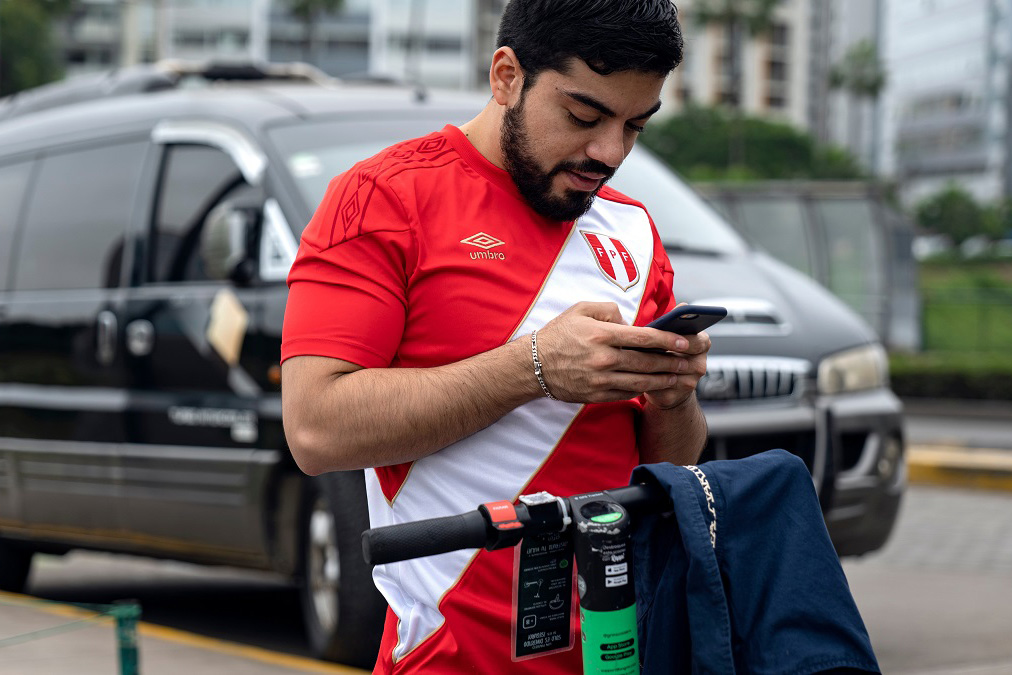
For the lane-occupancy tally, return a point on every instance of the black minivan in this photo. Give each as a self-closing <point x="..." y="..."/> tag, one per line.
<point x="148" y="218"/>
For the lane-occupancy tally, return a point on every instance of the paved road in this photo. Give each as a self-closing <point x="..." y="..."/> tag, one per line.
<point x="938" y="597"/>
<point x="974" y="424"/>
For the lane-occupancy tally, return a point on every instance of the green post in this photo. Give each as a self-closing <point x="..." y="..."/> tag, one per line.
<point x="127" y="613"/>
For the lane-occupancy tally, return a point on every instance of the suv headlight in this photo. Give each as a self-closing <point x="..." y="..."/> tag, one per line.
<point x="854" y="370"/>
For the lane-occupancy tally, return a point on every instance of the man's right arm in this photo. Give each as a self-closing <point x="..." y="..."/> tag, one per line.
<point x="339" y="416"/>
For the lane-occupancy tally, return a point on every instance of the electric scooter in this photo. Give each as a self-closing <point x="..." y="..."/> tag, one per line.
<point x="597" y="525"/>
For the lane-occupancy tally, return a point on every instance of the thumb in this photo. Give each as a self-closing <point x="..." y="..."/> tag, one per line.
<point x="602" y="311"/>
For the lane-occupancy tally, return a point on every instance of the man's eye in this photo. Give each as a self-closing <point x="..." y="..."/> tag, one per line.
<point x="635" y="127"/>
<point x="580" y="122"/>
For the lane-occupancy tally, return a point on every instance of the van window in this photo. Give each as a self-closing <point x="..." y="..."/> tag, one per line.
<point x="77" y="218"/>
<point x="195" y="179"/>
<point x="778" y="225"/>
<point x="13" y="181"/>
<point x="856" y="258"/>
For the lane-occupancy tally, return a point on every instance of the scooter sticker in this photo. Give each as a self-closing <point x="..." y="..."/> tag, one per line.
<point x="544" y="617"/>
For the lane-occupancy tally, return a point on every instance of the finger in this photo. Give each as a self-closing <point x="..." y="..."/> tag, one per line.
<point x="602" y="311"/>
<point x="641" y="337"/>
<point x="696" y="345"/>
<point x="643" y="362"/>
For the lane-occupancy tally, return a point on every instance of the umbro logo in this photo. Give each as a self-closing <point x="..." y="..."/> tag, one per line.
<point x="482" y="240"/>
<point x="486" y="242"/>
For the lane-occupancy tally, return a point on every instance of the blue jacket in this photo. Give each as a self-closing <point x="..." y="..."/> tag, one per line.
<point x="747" y="582"/>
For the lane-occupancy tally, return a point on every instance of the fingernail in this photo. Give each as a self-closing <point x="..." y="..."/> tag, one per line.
<point x="673" y="380"/>
<point x="682" y="365"/>
<point x="682" y="344"/>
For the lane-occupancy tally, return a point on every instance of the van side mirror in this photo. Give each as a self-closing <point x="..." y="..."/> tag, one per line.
<point x="224" y="240"/>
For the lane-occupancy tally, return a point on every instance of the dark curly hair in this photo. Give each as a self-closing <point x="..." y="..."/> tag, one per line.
<point x="608" y="35"/>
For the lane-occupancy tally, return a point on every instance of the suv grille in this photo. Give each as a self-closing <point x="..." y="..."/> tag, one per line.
<point x="746" y="378"/>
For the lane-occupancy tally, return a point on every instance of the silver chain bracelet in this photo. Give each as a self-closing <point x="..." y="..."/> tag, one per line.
<point x="537" y="366"/>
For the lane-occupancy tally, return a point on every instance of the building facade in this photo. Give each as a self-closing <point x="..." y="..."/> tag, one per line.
<point x="837" y="116"/>
<point x="774" y="65"/>
<point x="101" y="34"/>
<point x="439" y="43"/>
<point x="947" y="109"/>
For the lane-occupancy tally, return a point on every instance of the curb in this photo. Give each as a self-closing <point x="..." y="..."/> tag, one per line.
<point x="959" y="466"/>
<point x="186" y="639"/>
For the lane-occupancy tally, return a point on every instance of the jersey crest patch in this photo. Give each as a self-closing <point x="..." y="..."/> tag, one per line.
<point x="613" y="259"/>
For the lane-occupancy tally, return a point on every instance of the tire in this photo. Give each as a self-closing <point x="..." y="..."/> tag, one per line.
<point x="342" y="610"/>
<point x="15" y="564"/>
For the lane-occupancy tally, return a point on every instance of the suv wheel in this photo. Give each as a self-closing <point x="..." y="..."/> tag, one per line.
<point x="15" y="563"/>
<point x="343" y="611"/>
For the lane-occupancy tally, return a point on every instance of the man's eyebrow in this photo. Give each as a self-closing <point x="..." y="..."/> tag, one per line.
<point x="605" y="110"/>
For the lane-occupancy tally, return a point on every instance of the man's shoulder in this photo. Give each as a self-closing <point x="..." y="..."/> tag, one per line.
<point x="432" y="151"/>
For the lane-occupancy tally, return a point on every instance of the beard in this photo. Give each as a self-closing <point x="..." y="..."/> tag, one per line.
<point x="533" y="182"/>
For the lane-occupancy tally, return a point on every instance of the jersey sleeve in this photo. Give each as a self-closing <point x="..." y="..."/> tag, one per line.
<point x="347" y="287"/>
<point x="659" y="297"/>
<point x="664" y="294"/>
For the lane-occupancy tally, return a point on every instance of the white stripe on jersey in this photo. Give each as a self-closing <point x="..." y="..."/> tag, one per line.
<point x="499" y="461"/>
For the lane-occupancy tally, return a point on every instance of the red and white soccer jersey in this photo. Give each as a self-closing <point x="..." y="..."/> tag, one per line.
<point x="424" y="255"/>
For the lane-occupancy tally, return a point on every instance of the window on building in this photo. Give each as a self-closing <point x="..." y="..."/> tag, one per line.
<point x="78" y="217"/>
<point x="780" y="35"/>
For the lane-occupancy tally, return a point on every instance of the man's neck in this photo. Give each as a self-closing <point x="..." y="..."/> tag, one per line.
<point x="484" y="131"/>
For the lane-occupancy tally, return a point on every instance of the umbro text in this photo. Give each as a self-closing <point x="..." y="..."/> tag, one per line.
<point x="487" y="255"/>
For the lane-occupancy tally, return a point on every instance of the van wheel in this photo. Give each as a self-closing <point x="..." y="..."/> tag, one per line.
<point x="15" y="564"/>
<point x="342" y="609"/>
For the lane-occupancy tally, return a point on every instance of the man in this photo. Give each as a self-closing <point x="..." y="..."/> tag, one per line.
<point x="458" y="312"/>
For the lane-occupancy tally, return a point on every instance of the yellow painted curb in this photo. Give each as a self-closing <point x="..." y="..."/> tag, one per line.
<point x="188" y="639"/>
<point x="958" y="466"/>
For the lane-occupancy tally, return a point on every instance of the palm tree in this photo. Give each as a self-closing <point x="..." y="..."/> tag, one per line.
<point x="737" y="18"/>
<point x="862" y="75"/>
<point x="309" y="12"/>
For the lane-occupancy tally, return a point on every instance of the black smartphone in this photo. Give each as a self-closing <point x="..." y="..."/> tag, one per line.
<point x="685" y="320"/>
<point x="689" y="319"/>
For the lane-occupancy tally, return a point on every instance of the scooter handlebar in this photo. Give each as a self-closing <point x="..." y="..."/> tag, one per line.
<point x="433" y="536"/>
<point x="424" y="538"/>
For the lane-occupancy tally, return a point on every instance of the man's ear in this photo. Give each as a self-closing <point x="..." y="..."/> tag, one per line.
<point x="506" y="77"/>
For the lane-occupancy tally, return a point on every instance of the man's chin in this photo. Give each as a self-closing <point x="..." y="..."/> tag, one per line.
<point x="568" y="207"/>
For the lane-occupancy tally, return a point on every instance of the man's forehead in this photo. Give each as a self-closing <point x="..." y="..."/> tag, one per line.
<point x="621" y="92"/>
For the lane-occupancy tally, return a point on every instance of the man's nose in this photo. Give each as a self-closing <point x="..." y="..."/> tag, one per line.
<point x="608" y="147"/>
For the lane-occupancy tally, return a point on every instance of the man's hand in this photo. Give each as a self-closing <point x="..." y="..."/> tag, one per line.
<point x="583" y="360"/>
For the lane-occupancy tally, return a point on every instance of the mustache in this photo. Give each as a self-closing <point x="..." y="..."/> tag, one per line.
<point x="586" y="166"/>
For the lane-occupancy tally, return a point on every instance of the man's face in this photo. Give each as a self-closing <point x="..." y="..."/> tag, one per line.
<point x="568" y="133"/>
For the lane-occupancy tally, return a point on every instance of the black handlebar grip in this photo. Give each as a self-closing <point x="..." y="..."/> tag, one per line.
<point x="421" y="538"/>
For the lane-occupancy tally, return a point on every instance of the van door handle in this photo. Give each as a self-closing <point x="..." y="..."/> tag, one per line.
<point x="140" y="337"/>
<point x="105" y="347"/>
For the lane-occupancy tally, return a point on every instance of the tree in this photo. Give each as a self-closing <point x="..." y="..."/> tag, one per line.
<point x="309" y="12"/>
<point x="27" y="53"/>
<point x="695" y="143"/>
<point x="861" y="74"/>
<point x="737" y="18"/>
<point x="953" y="212"/>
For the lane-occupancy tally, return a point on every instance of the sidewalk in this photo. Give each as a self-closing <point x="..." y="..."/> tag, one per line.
<point x="93" y="649"/>
<point x="959" y="443"/>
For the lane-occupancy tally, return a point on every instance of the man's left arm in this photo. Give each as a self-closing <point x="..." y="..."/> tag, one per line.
<point x="671" y="427"/>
